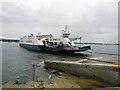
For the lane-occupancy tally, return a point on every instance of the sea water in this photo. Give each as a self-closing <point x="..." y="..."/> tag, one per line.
<point x="16" y="61"/>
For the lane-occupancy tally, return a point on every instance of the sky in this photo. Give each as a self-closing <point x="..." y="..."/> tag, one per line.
<point x="93" y="20"/>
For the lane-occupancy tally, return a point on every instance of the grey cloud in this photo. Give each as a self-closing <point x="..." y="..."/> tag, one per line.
<point x="93" y="22"/>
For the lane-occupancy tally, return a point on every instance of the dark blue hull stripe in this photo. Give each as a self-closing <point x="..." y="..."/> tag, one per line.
<point x="33" y="47"/>
<point x="44" y="48"/>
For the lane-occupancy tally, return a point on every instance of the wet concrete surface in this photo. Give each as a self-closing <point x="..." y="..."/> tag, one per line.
<point x="51" y="78"/>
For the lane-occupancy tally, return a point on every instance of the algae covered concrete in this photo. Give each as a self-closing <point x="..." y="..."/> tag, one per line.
<point x="52" y="78"/>
<point x="29" y="84"/>
<point x="99" y="71"/>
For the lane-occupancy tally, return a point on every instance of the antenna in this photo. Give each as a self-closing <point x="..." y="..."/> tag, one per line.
<point x="66" y="27"/>
<point x="39" y="33"/>
<point x="80" y="40"/>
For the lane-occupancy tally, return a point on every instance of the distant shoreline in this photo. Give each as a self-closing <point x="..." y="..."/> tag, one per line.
<point x="9" y="40"/>
<point x="16" y="40"/>
<point x="97" y="43"/>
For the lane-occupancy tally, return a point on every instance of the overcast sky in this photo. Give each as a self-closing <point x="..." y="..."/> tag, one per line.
<point x="94" y="20"/>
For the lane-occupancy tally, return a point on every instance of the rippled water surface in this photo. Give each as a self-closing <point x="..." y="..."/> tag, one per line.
<point x="16" y="61"/>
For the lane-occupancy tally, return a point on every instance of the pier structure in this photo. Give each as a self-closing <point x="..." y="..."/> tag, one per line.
<point x="105" y="72"/>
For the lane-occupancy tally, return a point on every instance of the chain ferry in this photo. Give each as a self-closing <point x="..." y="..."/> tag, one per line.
<point x="48" y="43"/>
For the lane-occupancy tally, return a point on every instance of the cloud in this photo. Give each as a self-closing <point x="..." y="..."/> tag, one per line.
<point x="92" y="19"/>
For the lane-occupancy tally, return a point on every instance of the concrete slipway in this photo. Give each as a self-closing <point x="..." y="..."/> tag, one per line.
<point x="100" y="71"/>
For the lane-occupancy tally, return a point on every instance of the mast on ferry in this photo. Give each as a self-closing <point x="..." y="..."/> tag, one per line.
<point x="65" y="33"/>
